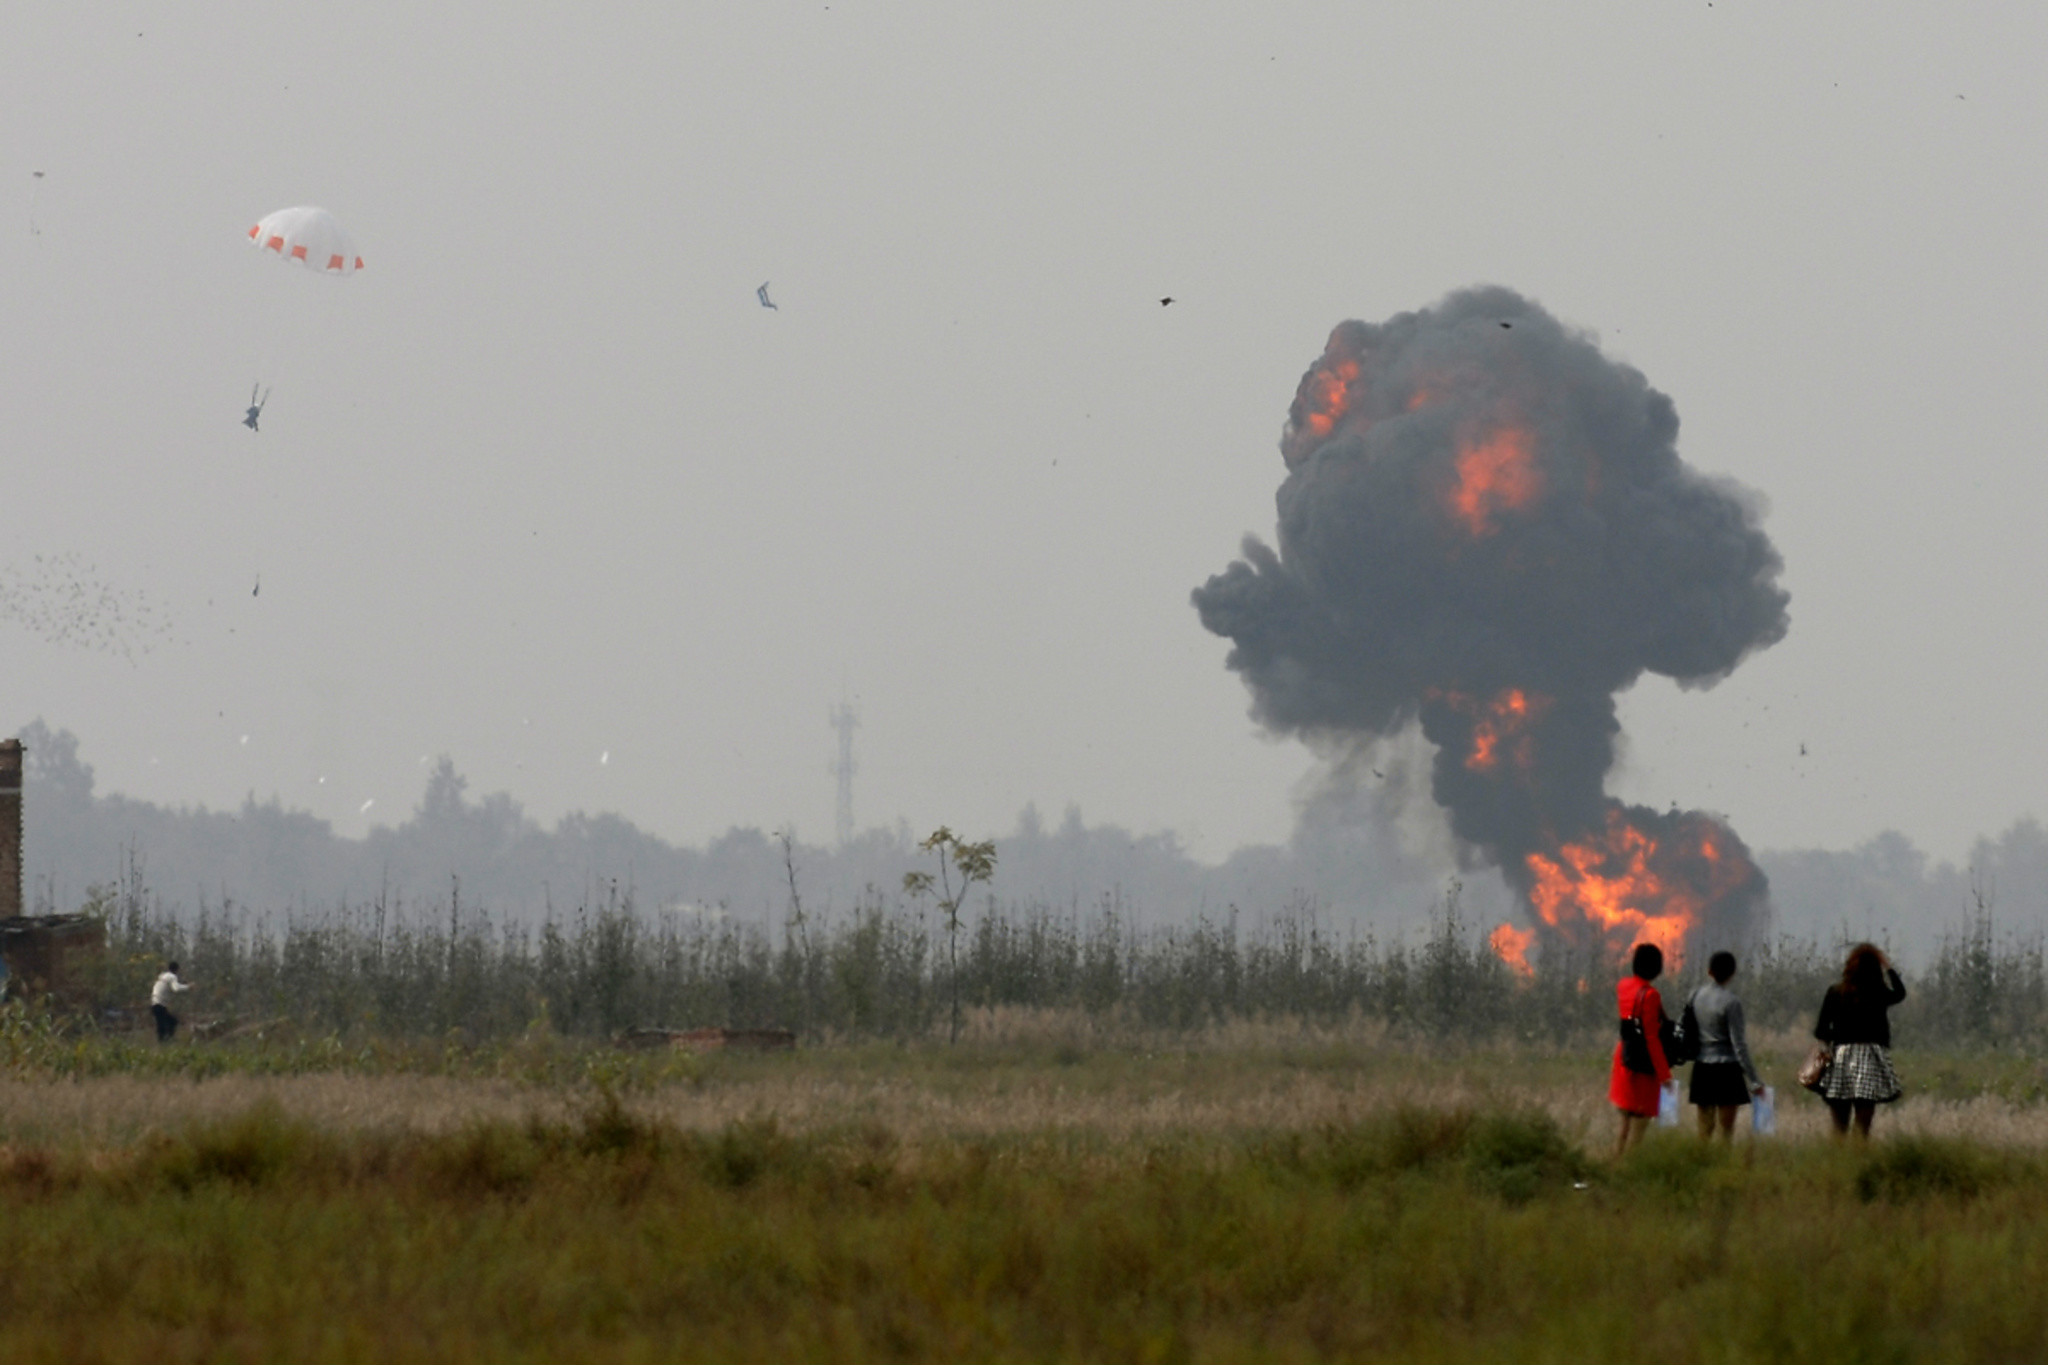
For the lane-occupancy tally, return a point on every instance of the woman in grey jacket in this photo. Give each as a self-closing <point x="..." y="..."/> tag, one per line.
<point x="1723" y="1076"/>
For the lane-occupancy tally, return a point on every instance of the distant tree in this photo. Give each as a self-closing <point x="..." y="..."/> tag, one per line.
<point x="961" y="866"/>
<point x="787" y="838"/>
<point x="52" y="767"/>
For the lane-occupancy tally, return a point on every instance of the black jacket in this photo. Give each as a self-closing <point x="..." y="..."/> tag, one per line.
<point x="1859" y="1019"/>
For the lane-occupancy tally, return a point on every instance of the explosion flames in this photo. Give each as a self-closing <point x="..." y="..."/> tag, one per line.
<point x="1495" y="475"/>
<point x="1485" y="528"/>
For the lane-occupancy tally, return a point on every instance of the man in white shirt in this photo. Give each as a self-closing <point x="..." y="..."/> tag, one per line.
<point x="160" y="1002"/>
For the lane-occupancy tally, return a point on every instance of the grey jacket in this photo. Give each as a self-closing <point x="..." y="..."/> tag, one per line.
<point x="1721" y="1034"/>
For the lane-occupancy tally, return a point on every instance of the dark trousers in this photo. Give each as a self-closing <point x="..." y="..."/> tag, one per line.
<point x="166" y="1023"/>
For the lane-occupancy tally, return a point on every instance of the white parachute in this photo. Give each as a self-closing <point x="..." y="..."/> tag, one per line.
<point x="309" y="236"/>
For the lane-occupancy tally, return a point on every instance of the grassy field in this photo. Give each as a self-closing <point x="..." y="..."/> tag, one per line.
<point x="1045" y="1191"/>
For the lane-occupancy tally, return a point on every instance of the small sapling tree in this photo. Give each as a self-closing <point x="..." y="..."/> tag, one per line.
<point x="961" y="865"/>
<point x="787" y="838"/>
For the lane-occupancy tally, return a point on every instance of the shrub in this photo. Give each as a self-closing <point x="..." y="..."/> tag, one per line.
<point x="253" y="1148"/>
<point x="1905" y="1169"/>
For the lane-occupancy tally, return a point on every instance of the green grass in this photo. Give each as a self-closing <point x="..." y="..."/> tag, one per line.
<point x="1415" y="1234"/>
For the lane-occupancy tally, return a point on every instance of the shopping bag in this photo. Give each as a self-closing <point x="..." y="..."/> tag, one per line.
<point x="1667" y="1105"/>
<point x="1763" y="1112"/>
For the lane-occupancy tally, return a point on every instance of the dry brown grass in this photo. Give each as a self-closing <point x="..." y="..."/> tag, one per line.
<point x="1016" y="1072"/>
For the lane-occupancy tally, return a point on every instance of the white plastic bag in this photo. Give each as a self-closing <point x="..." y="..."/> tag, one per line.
<point x="1763" y="1112"/>
<point x="1667" y="1105"/>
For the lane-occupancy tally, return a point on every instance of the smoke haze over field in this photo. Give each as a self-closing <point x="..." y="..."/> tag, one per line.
<point x="1485" y="526"/>
<point x="266" y="858"/>
<point x="1344" y="867"/>
<point x="546" y="489"/>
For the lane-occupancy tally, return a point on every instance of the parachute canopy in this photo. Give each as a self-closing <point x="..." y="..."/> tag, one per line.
<point x="309" y="236"/>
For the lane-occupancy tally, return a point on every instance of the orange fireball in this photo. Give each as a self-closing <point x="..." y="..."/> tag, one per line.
<point x="1324" y="399"/>
<point x="1496" y="474"/>
<point x="1497" y="723"/>
<point x="1511" y="945"/>
<point x="1504" y="720"/>
<point x="1645" y="878"/>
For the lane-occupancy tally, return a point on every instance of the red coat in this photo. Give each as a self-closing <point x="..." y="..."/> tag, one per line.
<point x="1631" y="1090"/>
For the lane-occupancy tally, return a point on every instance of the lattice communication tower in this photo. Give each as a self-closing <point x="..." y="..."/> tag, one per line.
<point x="845" y="720"/>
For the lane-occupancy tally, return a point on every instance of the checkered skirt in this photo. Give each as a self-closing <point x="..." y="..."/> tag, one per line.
<point x="1862" y="1071"/>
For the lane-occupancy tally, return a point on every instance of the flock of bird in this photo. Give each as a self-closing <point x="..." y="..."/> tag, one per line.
<point x="62" y="600"/>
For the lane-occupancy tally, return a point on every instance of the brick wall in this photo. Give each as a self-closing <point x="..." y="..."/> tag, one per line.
<point x="10" y="828"/>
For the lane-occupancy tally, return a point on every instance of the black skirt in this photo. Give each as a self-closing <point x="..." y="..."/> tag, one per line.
<point x="1715" y="1084"/>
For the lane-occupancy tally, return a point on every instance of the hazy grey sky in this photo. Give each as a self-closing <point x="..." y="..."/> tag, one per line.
<point x="544" y="483"/>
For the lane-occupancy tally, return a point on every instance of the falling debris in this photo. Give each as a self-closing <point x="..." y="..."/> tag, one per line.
<point x="35" y="191"/>
<point x="364" y="809"/>
<point x="1166" y="301"/>
<point x="762" y="294"/>
<point x="256" y="409"/>
<point x="62" y="600"/>
<point x="1487" y="531"/>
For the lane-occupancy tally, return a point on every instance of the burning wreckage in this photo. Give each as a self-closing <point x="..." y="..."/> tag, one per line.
<point x="1485" y="527"/>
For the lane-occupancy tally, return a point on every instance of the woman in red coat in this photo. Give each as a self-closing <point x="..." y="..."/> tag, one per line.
<point x="1634" y="1093"/>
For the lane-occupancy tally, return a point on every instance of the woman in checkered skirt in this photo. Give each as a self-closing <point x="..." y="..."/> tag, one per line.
<point x="1853" y="1022"/>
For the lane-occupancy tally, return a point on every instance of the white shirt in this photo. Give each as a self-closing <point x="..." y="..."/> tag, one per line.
<point x="165" y="984"/>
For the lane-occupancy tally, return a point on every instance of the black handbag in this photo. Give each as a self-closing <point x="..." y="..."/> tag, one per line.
<point x="1635" y="1046"/>
<point x="1683" y="1045"/>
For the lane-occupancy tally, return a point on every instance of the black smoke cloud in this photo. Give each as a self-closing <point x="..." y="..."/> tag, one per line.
<point x="1477" y="501"/>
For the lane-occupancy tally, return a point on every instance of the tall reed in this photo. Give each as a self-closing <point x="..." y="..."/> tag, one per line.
<point x="445" y="966"/>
